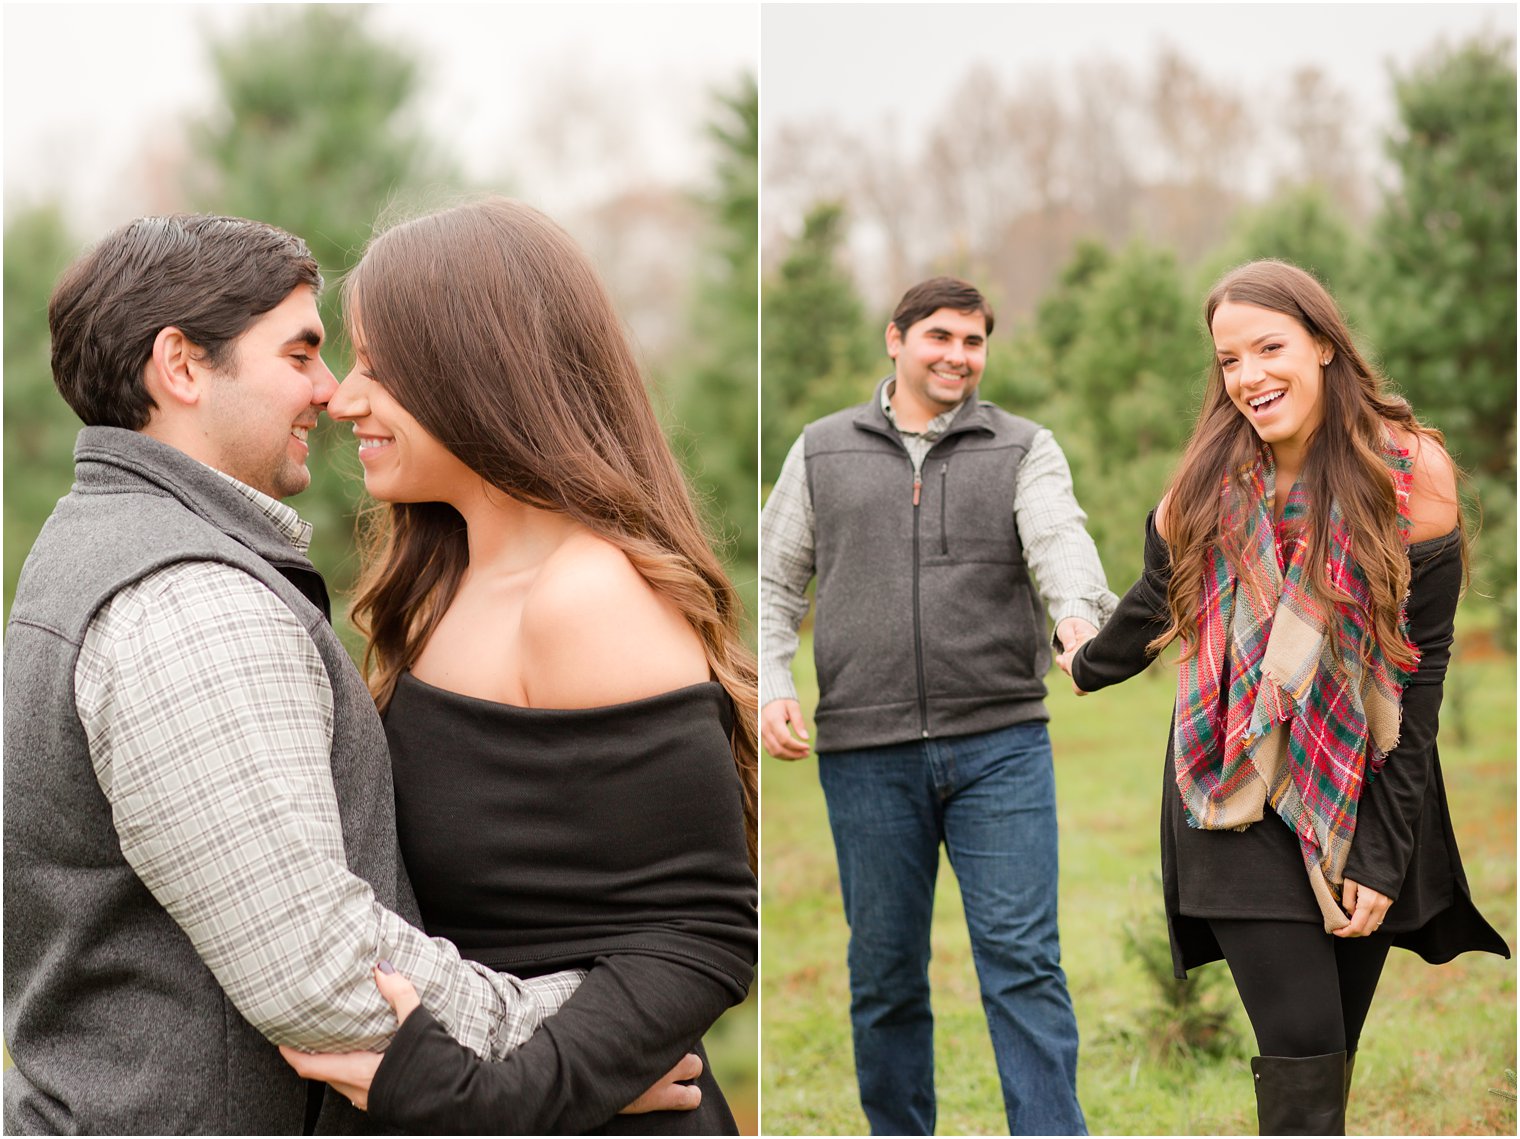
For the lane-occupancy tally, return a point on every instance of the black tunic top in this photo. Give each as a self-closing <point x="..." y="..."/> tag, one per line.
<point x="1403" y="847"/>
<point x="605" y="838"/>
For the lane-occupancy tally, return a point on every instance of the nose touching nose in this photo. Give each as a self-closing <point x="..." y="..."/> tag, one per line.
<point x="346" y="400"/>
<point x="324" y="386"/>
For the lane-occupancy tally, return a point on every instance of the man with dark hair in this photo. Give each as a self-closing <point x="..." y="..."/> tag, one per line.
<point x="923" y="513"/>
<point x="200" y="839"/>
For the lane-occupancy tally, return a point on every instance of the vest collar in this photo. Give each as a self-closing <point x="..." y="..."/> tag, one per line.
<point x="114" y="460"/>
<point x="971" y="416"/>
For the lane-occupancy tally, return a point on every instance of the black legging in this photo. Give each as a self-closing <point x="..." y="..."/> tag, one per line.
<point x="1307" y="993"/>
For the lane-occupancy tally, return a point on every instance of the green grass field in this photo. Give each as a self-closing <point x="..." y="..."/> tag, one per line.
<point x="733" y="1051"/>
<point x="1436" y="1043"/>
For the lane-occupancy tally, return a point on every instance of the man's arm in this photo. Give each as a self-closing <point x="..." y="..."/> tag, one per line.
<point x="1057" y="547"/>
<point x="209" y="717"/>
<point x="786" y="567"/>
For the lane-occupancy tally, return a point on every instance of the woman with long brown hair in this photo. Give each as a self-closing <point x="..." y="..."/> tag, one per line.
<point x="1309" y="555"/>
<point x="556" y="652"/>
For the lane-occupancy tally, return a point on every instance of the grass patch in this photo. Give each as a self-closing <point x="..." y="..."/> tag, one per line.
<point x="1437" y="1046"/>
<point x="733" y="1051"/>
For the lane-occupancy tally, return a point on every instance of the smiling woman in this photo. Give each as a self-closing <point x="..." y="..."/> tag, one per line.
<point x="402" y="461"/>
<point x="1273" y="372"/>
<point x="556" y="653"/>
<point x="1309" y="555"/>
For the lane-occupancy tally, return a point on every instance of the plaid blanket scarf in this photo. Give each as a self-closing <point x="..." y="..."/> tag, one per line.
<point x="1265" y="713"/>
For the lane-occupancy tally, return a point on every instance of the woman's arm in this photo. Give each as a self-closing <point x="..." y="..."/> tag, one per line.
<point x="1120" y="650"/>
<point x="1392" y="801"/>
<point x="629" y="1022"/>
<point x="1433" y="506"/>
<point x="593" y="633"/>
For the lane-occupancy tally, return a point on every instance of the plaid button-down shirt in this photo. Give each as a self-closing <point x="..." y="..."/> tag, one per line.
<point x="1051" y="526"/>
<point x="209" y="716"/>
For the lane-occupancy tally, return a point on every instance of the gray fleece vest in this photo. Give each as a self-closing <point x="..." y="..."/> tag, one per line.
<point x="927" y="623"/>
<point x="114" y="1023"/>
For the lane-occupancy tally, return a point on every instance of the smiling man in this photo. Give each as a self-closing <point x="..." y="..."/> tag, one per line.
<point x="922" y="513"/>
<point x="200" y="839"/>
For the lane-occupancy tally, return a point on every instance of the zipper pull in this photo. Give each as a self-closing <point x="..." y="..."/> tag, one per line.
<point x="918" y="485"/>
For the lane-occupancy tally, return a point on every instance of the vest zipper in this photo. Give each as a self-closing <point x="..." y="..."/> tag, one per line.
<point x="918" y="632"/>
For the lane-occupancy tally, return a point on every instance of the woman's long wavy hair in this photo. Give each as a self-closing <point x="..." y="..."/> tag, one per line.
<point x="1344" y="462"/>
<point x="491" y="327"/>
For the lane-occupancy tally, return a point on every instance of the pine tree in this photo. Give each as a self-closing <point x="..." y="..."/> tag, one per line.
<point x="314" y="133"/>
<point x="714" y="410"/>
<point x="818" y="350"/>
<point x="39" y="427"/>
<point x="1445" y="250"/>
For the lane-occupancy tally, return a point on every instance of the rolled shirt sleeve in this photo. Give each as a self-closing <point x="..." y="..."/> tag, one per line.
<point x="1051" y="524"/>
<point x="1053" y="529"/>
<point x="786" y="567"/>
<point x="209" y="716"/>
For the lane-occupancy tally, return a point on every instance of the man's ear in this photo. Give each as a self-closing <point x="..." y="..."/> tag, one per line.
<point x="175" y="374"/>
<point x="894" y="339"/>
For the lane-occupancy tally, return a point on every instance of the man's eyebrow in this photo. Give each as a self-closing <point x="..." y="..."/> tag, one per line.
<point x="935" y="329"/>
<point x="308" y="336"/>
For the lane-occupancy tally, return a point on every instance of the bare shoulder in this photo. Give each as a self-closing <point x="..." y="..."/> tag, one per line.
<point x="594" y="632"/>
<point x="1161" y="522"/>
<point x="1433" y="489"/>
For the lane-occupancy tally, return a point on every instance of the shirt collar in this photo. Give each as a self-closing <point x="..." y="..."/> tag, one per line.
<point x="295" y="528"/>
<point x="932" y="430"/>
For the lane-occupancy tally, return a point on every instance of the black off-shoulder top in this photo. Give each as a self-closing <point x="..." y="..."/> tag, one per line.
<point x="1404" y="845"/>
<point x="604" y="838"/>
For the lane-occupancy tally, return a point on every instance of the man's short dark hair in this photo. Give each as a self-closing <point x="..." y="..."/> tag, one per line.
<point x="928" y="297"/>
<point x="210" y="277"/>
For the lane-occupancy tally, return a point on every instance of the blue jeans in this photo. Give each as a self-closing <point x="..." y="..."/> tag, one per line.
<point x="990" y="798"/>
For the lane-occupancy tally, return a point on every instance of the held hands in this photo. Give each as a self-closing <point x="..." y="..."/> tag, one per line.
<point x="783" y="730"/>
<point x="351" y="1073"/>
<point x="1367" y="909"/>
<point x="1073" y="632"/>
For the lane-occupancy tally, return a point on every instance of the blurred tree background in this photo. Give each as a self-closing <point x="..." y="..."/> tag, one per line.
<point x="315" y="128"/>
<point x="1097" y="213"/>
<point x="711" y="411"/>
<point x="1096" y="205"/>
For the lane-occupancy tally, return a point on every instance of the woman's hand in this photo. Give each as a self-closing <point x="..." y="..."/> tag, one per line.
<point x="351" y="1073"/>
<point x="1367" y="909"/>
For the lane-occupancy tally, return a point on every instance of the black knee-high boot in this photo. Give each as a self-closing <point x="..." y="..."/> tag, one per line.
<point x="1300" y="1095"/>
<point x="1350" y="1067"/>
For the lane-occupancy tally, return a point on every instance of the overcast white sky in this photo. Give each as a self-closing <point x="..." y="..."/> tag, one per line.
<point x="868" y="65"/>
<point x="88" y="86"/>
